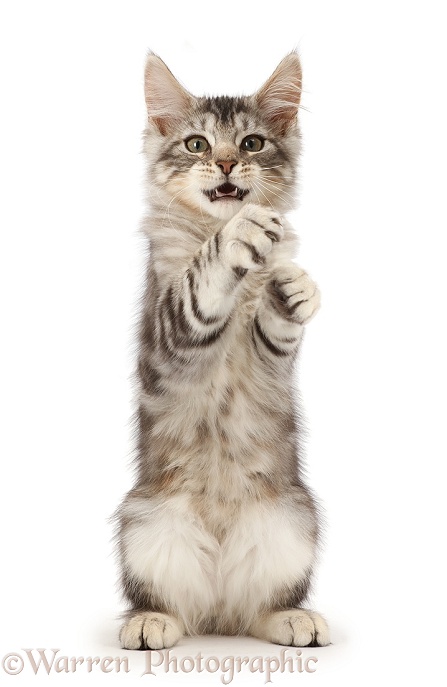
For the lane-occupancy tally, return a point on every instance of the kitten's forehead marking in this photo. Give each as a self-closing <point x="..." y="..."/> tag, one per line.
<point x="225" y="150"/>
<point x="218" y="131"/>
<point x="209" y="127"/>
<point x="225" y="114"/>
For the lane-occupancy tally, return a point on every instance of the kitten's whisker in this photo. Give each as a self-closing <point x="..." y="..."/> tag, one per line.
<point x="275" y="167"/>
<point x="167" y="212"/>
<point x="275" y="184"/>
<point x="257" y="196"/>
<point x="182" y="190"/>
<point x="270" y="186"/>
<point x="259" y="189"/>
<point x="280" y="176"/>
<point x="201" y="212"/>
<point x="280" y="196"/>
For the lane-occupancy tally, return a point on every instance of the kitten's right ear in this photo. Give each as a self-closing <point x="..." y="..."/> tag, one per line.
<point x="166" y="99"/>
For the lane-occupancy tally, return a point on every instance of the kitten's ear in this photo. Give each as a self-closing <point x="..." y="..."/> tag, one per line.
<point x="166" y="99"/>
<point x="280" y="96"/>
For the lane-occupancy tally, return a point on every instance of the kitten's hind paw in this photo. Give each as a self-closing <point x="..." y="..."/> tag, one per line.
<point x="296" y="627"/>
<point x="150" y="630"/>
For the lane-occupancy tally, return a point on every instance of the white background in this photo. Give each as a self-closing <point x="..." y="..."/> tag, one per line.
<point x="372" y="223"/>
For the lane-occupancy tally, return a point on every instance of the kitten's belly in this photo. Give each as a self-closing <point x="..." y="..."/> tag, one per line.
<point x="222" y="447"/>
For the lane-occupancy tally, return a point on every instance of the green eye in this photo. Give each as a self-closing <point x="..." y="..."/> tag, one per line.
<point x="252" y="144"/>
<point x="197" y="144"/>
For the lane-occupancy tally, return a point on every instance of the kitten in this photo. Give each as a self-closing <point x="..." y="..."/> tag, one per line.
<point x="219" y="533"/>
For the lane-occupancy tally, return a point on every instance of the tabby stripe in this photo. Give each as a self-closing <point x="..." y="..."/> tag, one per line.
<point x="183" y="337"/>
<point x="253" y="338"/>
<point x="164" y="342"/>
<point x="167" y="153"/>
<point x="176" y="316"/>
<point x="171" y="346"/>
<point x="266" y="341"/>
<point x="194" y="341"/>
<point x="181" y="316"/>
<point x="172" y="174"/>
<point x="169" y="343"/>
<point x="177" y="337"/>
<point x="196" y="263"/>
<point x="240" y="272"/>
<point x="258" y="259"/>
<point x="281" y="152"/>
<point x="272" y="236"/>
<point x="211" y="338"/>
<point x="169" y="308"/>
<point x="150" y="377"/>
<point x="287" y="340"/>
<point x="216" y="239"/>
<point x="199" y="315"/>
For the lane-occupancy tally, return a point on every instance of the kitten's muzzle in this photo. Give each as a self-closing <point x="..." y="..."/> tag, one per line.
<point x="226" y="190"/>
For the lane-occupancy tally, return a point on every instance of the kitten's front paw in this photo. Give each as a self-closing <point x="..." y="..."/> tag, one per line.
<point x="293" y="293"/>
<point x="250" y="236"/>
<point x="150" y="631"/>
<point x="296" y="627"/>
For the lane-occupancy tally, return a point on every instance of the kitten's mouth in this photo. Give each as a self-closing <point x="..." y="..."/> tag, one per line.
<point x="226" y="191"/>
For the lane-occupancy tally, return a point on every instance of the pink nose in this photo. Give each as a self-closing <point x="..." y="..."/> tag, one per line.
<point x="226" y="165"/>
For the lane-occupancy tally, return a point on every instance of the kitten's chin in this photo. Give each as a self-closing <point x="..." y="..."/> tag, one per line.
<point x="224" y="209"/>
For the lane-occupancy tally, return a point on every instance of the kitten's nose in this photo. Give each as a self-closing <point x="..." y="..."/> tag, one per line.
<point x="226" y="165"/>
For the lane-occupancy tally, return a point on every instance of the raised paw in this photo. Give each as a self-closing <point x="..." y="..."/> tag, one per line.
<point x="293" y="293"/>
<point x="250" y="236"/>
<point x="150" y="631"/>
<point x="296" y="627"/>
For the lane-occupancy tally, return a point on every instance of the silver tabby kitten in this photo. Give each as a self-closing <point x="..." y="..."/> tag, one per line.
<point x="219" y="533"/>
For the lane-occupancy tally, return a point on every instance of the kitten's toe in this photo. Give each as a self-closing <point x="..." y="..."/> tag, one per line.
<point x="304" y="310"/>
<point x="296" y="627"/>
<point x="150" y="631"/>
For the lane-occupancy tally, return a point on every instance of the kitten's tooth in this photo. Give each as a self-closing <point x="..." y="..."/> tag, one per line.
<point x="232" y="194"/>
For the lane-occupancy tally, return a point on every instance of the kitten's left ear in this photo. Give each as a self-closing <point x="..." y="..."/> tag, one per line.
<point x="280" y="96"/>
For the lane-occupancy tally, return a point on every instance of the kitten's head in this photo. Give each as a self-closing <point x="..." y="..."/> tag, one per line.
<point x="210" y="155"/>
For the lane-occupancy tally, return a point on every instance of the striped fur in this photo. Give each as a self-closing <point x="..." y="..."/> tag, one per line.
<point x="220" y="532"/>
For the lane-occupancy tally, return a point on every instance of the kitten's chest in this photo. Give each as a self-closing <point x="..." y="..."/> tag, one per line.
<point x="250" y="297"/>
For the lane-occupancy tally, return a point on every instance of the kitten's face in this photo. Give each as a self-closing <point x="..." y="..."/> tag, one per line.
<point x="211" y="155"/>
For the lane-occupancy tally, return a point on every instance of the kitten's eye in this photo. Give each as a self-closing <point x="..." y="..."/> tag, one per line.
<point x="197" y="144"/>
<point x="252" y="143"/>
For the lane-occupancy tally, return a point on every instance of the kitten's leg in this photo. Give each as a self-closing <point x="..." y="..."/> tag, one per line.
<point x="267" y="560"/>
<point x="290" y="300"/>
<point x="168" y="567"/>
<point x="294" y="627"/>
<point x="194" y="312"/>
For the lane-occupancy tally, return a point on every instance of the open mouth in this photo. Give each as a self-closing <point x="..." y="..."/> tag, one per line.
<point x="226" y="191"/>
